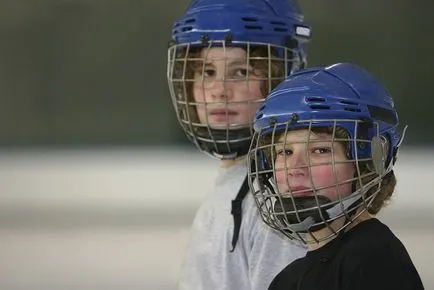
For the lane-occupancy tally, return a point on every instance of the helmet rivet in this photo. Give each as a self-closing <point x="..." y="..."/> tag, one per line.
<point x="171" y="43"/>
<point x="228" y="38"/>
<point x="294" y="118"/>
<point x="273" y="121"/>
<point x="204" y="39"/>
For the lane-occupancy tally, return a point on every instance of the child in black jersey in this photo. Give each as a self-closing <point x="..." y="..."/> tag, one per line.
<point x="325" y="144"/>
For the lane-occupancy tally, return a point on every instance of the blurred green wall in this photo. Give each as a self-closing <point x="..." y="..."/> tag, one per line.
<point x="88" y="72"/>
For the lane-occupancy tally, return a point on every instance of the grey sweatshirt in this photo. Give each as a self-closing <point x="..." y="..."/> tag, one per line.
<point x="260" y="254"/>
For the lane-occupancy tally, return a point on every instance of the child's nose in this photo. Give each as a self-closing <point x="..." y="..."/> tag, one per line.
<point x="297" y="164"/>
<point x="220" y="91"/>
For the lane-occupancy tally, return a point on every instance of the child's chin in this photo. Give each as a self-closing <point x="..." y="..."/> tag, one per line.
<point x="288" y="194"/>
<point x="226" y="126"/>
<point x="219" y="126"/>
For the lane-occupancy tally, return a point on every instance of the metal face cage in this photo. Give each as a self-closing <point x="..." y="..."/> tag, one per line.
<point x="217" y="86"/>
<point x="318" y="174"/>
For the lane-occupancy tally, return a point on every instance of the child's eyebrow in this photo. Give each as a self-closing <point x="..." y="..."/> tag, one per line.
<point x="237" y="62"/>
<point x="312" y="137"/>
<point x="321" y="138"/>
<point x="228" y="61"/>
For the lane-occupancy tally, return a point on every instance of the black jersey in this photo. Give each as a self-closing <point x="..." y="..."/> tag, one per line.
<point x="366" y="257"/>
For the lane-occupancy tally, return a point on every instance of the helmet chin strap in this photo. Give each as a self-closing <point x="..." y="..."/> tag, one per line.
<point x="222" y="143"/>
<point x="315" y="210"/>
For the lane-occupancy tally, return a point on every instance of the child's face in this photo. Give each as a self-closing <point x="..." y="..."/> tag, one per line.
<point x="293" y="175"/>
<point x="226" y="89"/>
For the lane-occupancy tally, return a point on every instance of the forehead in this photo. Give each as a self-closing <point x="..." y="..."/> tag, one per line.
<point x="301" y="135"/>
<point x="220" y="53"/>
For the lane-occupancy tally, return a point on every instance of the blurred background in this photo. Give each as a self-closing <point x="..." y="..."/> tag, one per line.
<point x="98" y="183"/>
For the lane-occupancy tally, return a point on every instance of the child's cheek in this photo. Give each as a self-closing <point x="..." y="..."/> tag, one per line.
<point x="280" y="177"/>
<point x="322" y="176"/>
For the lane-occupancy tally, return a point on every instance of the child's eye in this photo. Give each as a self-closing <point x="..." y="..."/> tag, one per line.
<point x="208" y="73"/>
<point x="284" y="152"/>
<point x="242" y="72"/>
<point x="322" y="150"/>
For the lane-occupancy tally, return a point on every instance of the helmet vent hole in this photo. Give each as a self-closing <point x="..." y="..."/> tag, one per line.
<point x="249" y="19"/>
<point x="352" y="109"/>
<point x="191" y="20"/>
<point x="279" y="29"/>
<point x="278" y="23"/>
<point x="349" y="103"/>
<point x="319" y="107"/>
<point x="253" y="27"/>
<point x="315" y="99"/>
<point x="385" y="115"/>
<point x="187" y="28"/>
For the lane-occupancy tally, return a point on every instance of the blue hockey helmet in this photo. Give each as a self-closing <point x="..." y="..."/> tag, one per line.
<point x="354" y="109"/>
<point x="273" y="35"/>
